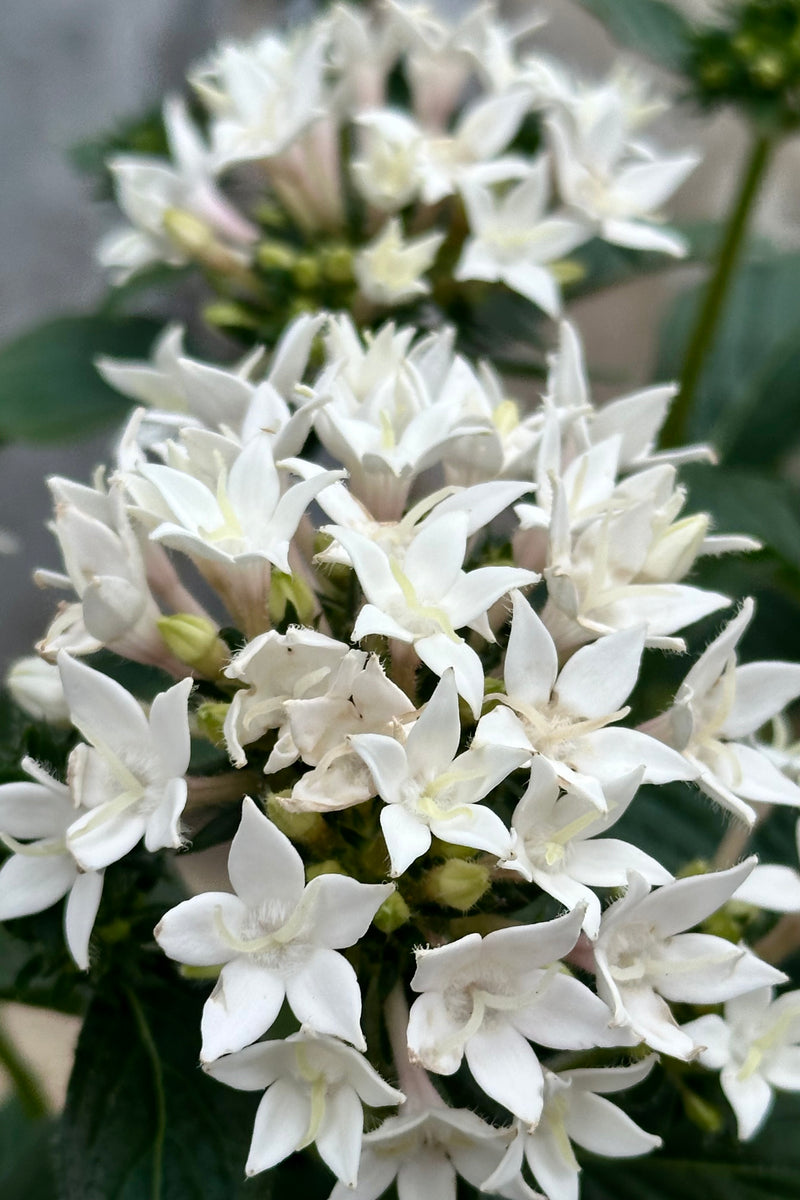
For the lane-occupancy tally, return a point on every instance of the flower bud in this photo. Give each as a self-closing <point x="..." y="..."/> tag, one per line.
<point x="329" y="866"/>
<point x="210" y="719"/>
<point x="337" y="264"/>
<point x="672" y="554"/>
<point x="227" y="314"/>
<point x="305" y="272"/>
<point x="194" y="641"/>
<point x="35" y="685"/>
<point x="197" y="240"/>
<point x="275" y="256"/>
<point x="301" y="827"/>
<point x="290" y="589"/>
<point x="457" y="884"/>
<point x="393" y="913"/>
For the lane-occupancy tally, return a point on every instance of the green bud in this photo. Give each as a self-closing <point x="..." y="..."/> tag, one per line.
<point x="227" y="314"/>
<point x="715" y="73"/>
<point x="440" y="849"/>
<point x="270" y="215"/>
<point x="328" y="867"/>
<point x="457" y="884"/>
<point x="301" y="827"/>
<point x="768" y="69"/>
<point x="393" y="913"/>
<point x="285" y="589"/>
<point x="702" y="1114"/>
<point x="188" y="972"/>
<point x="337" y="264"/>
<point x="194" y="641"/>
<point x="210" y="719"/>
<point x="745" y="45"/>
<point x="275" y="256"/>
<point x="197" y="241"/>
<point x="567" y="270"/>
<point x="697" y="866"/>
<point x="305" y="272"/>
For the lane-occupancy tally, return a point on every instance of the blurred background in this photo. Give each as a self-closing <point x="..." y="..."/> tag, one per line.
<point x="70" y="71"/>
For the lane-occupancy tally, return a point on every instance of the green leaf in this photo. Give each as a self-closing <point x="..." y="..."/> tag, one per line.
<point x="25" y="1162"/>
<point x="746" y="402"/>
<point x="749" y="502"/>
<point x="651" y="27"/>
<point x="49" y="388"/>
<point x="142" y="1121"/>
<point x="694" y="1166"/>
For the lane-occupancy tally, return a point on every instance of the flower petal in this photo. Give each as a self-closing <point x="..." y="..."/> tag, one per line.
<point x="243" y="1005"/>
<point x="324" y="996"/>
<point x="263" y="865"/>
<point x="505" y="1066"/>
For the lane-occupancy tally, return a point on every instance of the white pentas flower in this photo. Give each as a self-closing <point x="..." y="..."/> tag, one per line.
<point x="644" y="959"/>
<point x="315" y="1091"/>
<point x="569" y="716"/>
<point x="717" y="711"/>
<point x="277" y="938"/>
<point x="755" y="1046"/>
<point x="180" y="390"/>
<point x="512" y="237"/>
<point x="608" y="176"/>
<point x="430" y="789"/>
<point x="149" y="189"/>
<point x="426" y="598"/>
<point x="41" y="869"/>
<point x="575" y="1110"/>
<point x="557" y="842"/>
<point x="35" y="685"/>
<point x="129" y="779"/>
<point x="773" y="887"/>
<point x="386" y="170"/>
<point x="484" y="999"/>
<point x="391" y="267"/>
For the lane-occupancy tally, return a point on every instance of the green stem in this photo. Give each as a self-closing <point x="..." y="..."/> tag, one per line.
<point x="151" y="1050"/>
<point x="705" y="329"/>
<point x="26" y="1085"/>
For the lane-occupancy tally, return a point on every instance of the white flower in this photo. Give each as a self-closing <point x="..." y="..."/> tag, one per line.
<point x="35" y="685"/>
<point x="756" y="1048"/>
<point x="315" y="1089"/>
<point x="775" y="888"/>
<point x="482" y="998"/>
<point x="131" y="775"/>
<point x="430" y="789"/>
<point x="557" y="845"/>
<point x="149" y="188"/>
<point x="566" y="716"/>
<point x="575" y="1112"/>
<point x="609" y="177"/>
<point x="427" y="598"/>
<point x="386" y="170"/>
<point x="41" y="868"/>
<point x="718" y="708"/>
<point x="644" y="960"/>
<point x="512" y="240"/>
<point x="389" y="269"/>
<point x="276" y="938"/>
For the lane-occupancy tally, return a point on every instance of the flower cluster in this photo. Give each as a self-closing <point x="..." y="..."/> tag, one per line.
<point x="412" y="609"/>
<point x="368" y="160"/>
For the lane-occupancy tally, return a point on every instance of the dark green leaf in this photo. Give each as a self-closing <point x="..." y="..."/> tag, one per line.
<point x="745" y="501"/>
<point x="746" y="403"/>
<point x="25" y="1163"/>
<point x="134" y="1131"/>
<point x="49" y="388"/>
<point x="651" y="27"/>
<point x="694" y="1166"/>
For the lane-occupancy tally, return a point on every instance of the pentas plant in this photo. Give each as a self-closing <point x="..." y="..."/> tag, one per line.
<point x="376" y="159"/>
<point x="390" y="630"/>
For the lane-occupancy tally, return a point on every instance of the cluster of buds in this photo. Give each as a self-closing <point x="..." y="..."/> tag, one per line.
<point x="388" y="157"/>
<point x="419" y="658"/>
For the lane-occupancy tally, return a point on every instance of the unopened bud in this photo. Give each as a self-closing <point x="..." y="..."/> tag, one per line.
<point x="393" y="913"/>
<point x="194" y="641"/>
<point x="35" y="685"/>
<point x="328" y="867"/>
<point x="457" y="884"/>
<point x="301" y="827"/>
<point x="190" y="972"/>
<point x="768" y="69"/>
<point x="290" y="589"/>
<point x="337" y="264"/>
<point x="305" y="272"/>
<point x="210" y="719"/>
<point x="672" y="554"/>
<point x="197" y="240"/>
<point x="567" y="270"/>
<point x="227" y="314"/>
<point x="275" y="256"/>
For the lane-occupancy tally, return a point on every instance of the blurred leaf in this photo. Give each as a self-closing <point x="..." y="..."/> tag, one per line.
<point x="746" y="402"/>
<point x="26" y="1171"/>
<point x="696" y="1166"/>
<point x="745" y="501"/>
<point x="651" y="27"/>
<point x="142" y="1121"/>
<point x="49" y="388"/>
